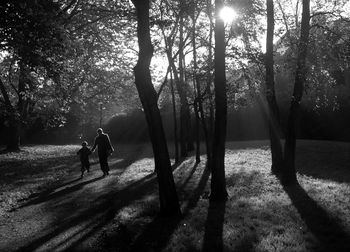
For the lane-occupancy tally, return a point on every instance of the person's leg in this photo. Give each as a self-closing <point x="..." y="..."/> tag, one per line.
<point x="82" y="169"/>
<point x="107" y="166"/>
<point x="103" y="162"/>
<point x="88" y="166"/>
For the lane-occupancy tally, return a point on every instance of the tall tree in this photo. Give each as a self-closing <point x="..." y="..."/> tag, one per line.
<point x="289" y="173"/>
<point x="273" y="111"/>
<point x="218" y="182"/>
<point x="169" y="204"/>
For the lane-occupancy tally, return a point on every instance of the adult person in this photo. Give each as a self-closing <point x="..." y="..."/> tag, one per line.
<point x="105" y="148"/>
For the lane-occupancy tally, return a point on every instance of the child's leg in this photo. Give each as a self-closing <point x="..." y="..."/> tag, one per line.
<point x="88" y="166"/>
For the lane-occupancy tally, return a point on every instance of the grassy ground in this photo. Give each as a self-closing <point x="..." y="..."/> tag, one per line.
<point x="259" y="215"/>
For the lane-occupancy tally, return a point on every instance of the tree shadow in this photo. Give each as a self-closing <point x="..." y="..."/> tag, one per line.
<point x="49" y="196"/>
<point x="326" y="228"/>
<point x="101" y="211"/>
<point x="46" y="192"/>
<point x="213" y="236"/>
<point x="329" y="161"/>
<point x="158" y="232"/>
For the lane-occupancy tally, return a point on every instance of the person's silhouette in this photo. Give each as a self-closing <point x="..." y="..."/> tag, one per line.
<point x="105" y="148"/>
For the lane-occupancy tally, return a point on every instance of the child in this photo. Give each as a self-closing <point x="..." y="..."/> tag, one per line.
<point x="84" y="153"/>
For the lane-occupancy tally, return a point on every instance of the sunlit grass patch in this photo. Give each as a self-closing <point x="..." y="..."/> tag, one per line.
<point x="259" y="215"/>
<point x="33" y="169"/>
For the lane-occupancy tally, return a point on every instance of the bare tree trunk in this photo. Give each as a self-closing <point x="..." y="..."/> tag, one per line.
<point x="210" y="129"/>
<point x="184" y="110"/>
<point x="169" y="204"/>
<point x="273" y="111"/>
<point x="289" y="173"/>
<point x="196" y="87"/>
<point x="175" y="118"/>
<point x="218" y="182"/>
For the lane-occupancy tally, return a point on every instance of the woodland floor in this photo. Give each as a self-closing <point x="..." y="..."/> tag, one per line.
<point x="45" y="206"/>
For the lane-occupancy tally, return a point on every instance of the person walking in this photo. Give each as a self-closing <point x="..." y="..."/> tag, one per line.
<point x="105" y="149"/>
<point x="84" y="153"/>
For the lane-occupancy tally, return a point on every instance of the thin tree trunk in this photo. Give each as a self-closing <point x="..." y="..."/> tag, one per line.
<point x="289" y="173"/>
<point x="181" y="88"/>
<point x="196" y="88"/>
<point x="210" y="129"/>
<point x="169" y="204"/>
<point x="175" y="118"/>
<point x="198" y="143"/>
<point x="273" y="111"/>
<point x="218" y="182"/>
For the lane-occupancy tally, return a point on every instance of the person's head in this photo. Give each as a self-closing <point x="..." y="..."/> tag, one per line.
<point x="84" y="144"/>
<point x="99" y="131"/>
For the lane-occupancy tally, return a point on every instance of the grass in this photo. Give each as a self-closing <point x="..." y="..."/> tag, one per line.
<point x="259" y="215"/>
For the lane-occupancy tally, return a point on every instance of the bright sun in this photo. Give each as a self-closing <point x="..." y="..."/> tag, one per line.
<point x="227" y="14"/>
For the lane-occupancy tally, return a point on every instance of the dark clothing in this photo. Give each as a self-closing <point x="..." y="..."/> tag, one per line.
<point x="104" y="150"/>
<point x="84" y="153"/>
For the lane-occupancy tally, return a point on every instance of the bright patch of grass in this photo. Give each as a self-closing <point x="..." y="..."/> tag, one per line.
<point x="259" y="215"/>
<point x="33" y="169"/>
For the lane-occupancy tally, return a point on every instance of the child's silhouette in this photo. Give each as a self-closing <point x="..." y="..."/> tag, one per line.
<point x="84" y="153"/>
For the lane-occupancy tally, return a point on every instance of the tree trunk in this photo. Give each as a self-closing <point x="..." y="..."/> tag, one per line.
<point x="210" y="128"/>
<point x="218" y="182"/>
<point x="13" y="136"/>
<point x="184" y="110"/>
<point x="175" y="118"/>
<point x="289" y="173"/>
<point x="169" y="204"/>
<point x="196" y="87"/>
<point x="273" y="111"/>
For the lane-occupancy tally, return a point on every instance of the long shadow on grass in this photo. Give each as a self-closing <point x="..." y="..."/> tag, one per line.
<point x="101" y="212"/>
<point x="49" y="193"/>
<point x="213" y="240"/>
<point x="49" y="196"/>
<point x="105" y="206"/>
<point x="329" y="233"/>
<point x="157" y="234"/>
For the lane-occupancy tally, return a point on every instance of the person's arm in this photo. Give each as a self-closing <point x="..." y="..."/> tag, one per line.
<point x="110" y="147"/>
<point x="95" y="144"/>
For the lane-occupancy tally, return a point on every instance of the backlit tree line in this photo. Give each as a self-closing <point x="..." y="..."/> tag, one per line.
<point x="68" y="56"/>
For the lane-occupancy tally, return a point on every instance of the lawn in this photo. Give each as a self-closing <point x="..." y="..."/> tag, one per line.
<point x="259" y="215"/>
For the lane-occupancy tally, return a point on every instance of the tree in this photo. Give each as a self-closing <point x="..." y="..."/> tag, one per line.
<point x="289" y="173"/>
<point x="273" y="110"/>
<point x="33" y="36"/>
<point x="283" y="162"/>
<point x="218" y="182"/>
<point x="169" y="204"/>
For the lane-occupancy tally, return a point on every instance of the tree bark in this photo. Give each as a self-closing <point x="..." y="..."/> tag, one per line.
<point x="273" y="111"/>
<point x="175" y="118"/>
<point x="289" y="173"/>
<point x="169" y="204"/>
<point x="218" y="182"/>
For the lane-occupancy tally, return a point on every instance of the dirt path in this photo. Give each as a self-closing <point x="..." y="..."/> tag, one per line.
<point x="73" y="214"/>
